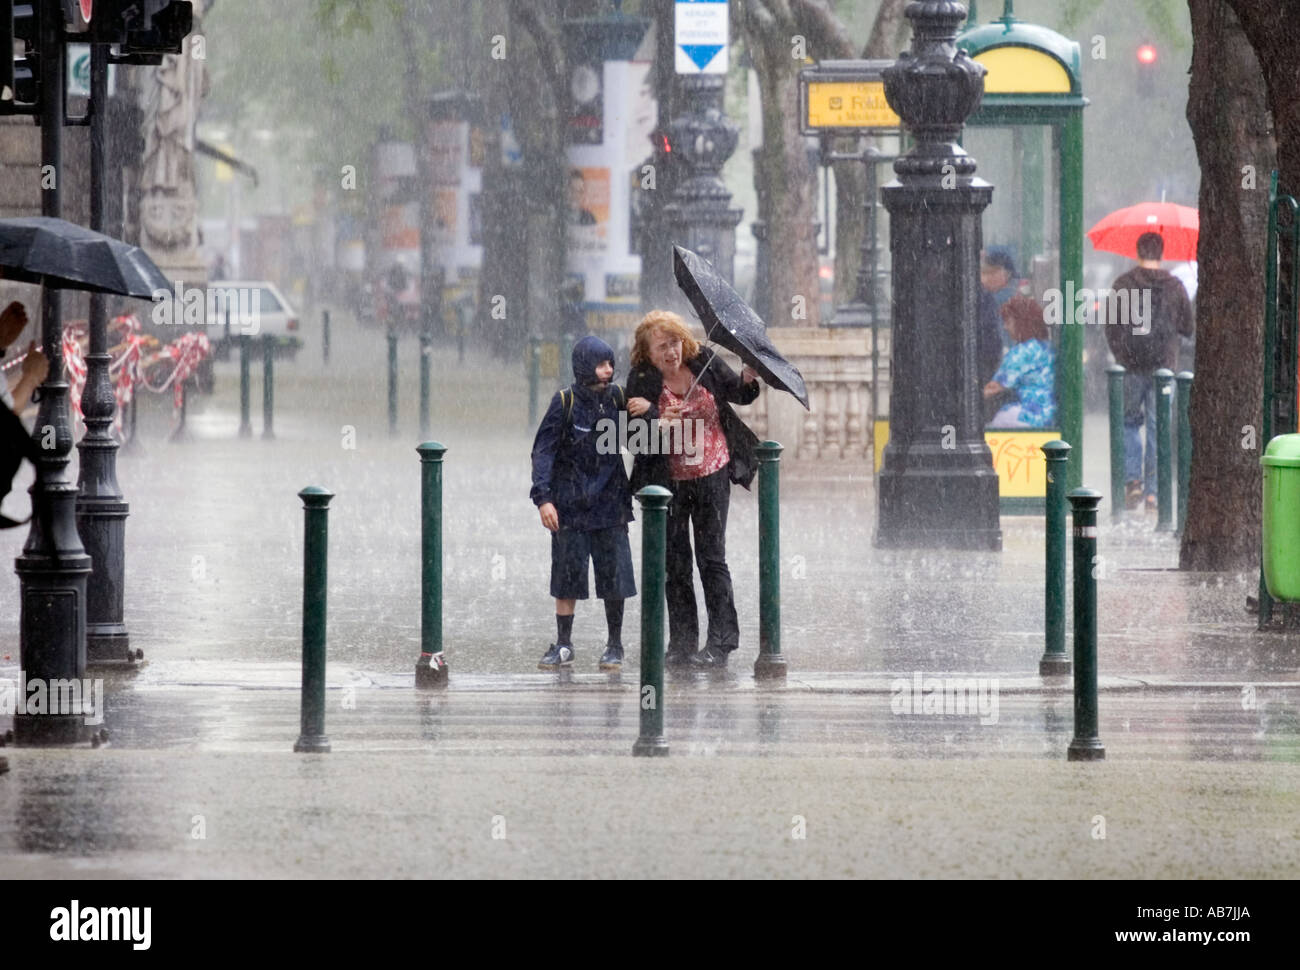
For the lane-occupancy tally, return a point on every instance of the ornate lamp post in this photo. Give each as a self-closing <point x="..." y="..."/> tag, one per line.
<point x="101" y="509"/>
<point x="53" y="567"/>
<point x="937" y="487"/>
<point x="700" y="216"/>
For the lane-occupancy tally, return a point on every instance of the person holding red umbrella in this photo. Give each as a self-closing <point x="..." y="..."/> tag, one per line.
<point x="1159" y="313"/>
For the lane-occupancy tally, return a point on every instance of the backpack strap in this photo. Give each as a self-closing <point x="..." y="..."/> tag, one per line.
<point x="566" y="400"/>
<point x="620" y="397"/>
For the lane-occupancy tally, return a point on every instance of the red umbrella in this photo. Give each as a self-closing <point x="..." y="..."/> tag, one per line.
<point x="1177" y="224"/>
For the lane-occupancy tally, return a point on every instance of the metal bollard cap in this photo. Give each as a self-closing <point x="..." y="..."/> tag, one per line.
<point x="431" y="450"/>
<point x="315" y="497"/>
<point x="654" y="497"/>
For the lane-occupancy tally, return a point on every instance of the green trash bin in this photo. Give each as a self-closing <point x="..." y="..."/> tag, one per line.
<point x="1281" y="462"/>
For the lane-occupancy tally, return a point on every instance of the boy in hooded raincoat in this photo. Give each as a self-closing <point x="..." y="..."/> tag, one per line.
<point x="581" y="490"/>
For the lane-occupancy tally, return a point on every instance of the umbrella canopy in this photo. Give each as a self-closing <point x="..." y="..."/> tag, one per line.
<point x="731" y="322"/>
<point x="1178" y="225"/>
<point x="68" y="256"/>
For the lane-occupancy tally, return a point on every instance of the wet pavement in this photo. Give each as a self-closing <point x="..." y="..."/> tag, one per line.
<point x="1200" y="714"/>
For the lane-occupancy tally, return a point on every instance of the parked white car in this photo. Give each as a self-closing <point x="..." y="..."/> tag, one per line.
<point x="256" y="307"/>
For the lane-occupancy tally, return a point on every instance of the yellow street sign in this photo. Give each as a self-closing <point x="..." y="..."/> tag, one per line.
<point x="850" y="104"/>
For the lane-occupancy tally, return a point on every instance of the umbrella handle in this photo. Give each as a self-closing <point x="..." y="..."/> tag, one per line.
<point x="687" y="395"/>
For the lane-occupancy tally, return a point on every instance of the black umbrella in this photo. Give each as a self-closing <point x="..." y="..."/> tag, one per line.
<point x="730" y="321"/>
<point x="65" y="255"/>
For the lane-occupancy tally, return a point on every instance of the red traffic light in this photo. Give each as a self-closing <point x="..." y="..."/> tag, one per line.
<point x="1147" y="54"/>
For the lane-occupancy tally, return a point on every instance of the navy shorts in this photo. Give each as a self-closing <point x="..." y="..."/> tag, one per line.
<point x="608" y="550"/>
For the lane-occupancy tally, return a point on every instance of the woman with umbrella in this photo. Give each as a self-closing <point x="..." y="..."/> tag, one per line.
<point x="685" y="383"/>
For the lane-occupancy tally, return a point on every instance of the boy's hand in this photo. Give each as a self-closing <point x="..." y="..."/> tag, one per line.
<point x="550" y="518"/>
<point x="637" y="406"/>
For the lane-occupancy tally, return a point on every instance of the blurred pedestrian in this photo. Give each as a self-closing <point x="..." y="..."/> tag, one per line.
<point x="1022" y="393"/>
<point x="1143" y="346"/>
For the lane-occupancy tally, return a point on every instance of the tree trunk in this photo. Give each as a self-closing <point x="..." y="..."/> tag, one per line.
<point x="784" y="174"/>
<point x="1227" y="112"/>
<point x="850" y="177"/>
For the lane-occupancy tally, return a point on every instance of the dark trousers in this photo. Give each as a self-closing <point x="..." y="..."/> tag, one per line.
<point x="701" y="503"/>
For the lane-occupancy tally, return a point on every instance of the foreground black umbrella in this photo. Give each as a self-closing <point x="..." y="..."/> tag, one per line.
<point x="731" y="322"/>
<point x="65" y="255"/>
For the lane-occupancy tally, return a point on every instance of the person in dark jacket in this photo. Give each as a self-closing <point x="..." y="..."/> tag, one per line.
<point x="712" y="449"/>
<point x="1143" y="346"/>
<point x="581" y="492"/>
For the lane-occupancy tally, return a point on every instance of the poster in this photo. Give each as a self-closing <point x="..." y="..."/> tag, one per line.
<point x="588" y="213"/>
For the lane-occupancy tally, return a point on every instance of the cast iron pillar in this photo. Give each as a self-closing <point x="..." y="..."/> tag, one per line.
<point x="700" y="217"/>
<point x="101" y="509"/>
<point x="53" y="567"/>
<point x="937" y="487"/>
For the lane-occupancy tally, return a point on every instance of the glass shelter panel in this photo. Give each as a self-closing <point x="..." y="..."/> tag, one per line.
<point x="1022" y="222"/>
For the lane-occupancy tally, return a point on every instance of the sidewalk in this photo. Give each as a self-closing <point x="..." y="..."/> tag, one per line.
<point x="1200" y="714"/>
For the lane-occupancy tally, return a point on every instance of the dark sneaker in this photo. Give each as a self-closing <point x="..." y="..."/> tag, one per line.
<point x="710" y="657"/>
<point x="612" y="658"/>
<point x="678" y="657"/>
<point x="558" y="656"/>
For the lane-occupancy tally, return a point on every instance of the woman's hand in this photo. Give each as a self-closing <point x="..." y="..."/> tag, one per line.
<point x="992" y="388"/>
<point x="748" y="375"/>
<point x="637" y="406"/>
<point x="36" y="365"/>
<point x="550" y="518"/>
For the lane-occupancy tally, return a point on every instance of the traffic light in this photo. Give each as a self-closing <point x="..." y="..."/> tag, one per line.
<point x="19" y="22"/>
<point x="143" y="29"/>
<point x="1146" y="57"/>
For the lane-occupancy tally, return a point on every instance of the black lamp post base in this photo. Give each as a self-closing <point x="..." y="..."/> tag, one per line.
<point x="939" y="508"/>
<point x="49" y="730"/>
<point x="312" y="744"/>
<point x="109" y="645"/>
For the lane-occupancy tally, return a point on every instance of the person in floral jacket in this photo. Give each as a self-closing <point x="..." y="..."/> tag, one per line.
<point x="1025" y="385"/>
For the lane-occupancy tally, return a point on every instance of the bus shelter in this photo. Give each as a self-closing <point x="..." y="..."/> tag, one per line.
<point x="1027" y="137"/>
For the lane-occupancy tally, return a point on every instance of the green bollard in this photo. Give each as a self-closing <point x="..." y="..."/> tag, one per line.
<point x="315" y="501"/>
<point x="1118" y="487"/>
<point x="392" y="381"/>
<point x="654" y="501"/>
<point x="1184" y="380"/>
<point x="770" y="664"/>
<point x="426" y="354"/>
<point x="1164" y="445"/>
<point x="268" y="385"/>
<point x="534" y="377"/>
<point x="1055" y="662"/>
<point x="566" y="359"/>
<point x="1086" y="745"/>
<point x="181" y="434"/>
<point x="431" y="668"/>
<point x="245" y="422"/>
<point x="325" y="335"/>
